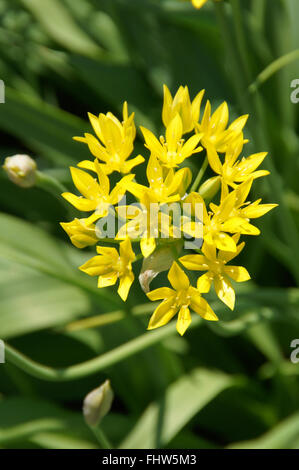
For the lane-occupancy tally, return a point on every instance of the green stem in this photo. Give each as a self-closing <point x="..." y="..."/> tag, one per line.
<point x="241" y="39"/>
<point x="101" y="437"/>
<point x="107" y="318"/>
<point x="94" y="365"/>
<point x="200" y="174"/>
<point x="49" y="183"/>
<point x="236" y="76"/>
<point x="54" y="187"/>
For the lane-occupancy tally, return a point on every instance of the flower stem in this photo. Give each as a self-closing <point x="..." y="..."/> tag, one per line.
<point x="241" y="39"/>
<point x="97" y="364"/>
<point x="200" y="174"/>
<point x="107" y="318"/>
<point x="54" y="187"/>
<point x="101" y="437"/>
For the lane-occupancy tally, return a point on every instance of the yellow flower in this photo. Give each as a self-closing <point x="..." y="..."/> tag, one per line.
<point x="214" y="127"/>
<point x="217" y="271"/>
<point x="181" y="104"/>
<point x="111" y="265"/>
<point x="200" y="3"/>
<point x="97" y="196"/>
<point x="82" y="234"/>
<point x="173" y="150"/>
<point x="234" y="171"/>
<point x="225" y="219"/>
<point x="148" y="221"/>
<point x="162" y="189"/>
<point x="241" y="211"/>
<point x="178" y="300"/>
<point x="164" y="216"/>
<point x="114" y="142"/>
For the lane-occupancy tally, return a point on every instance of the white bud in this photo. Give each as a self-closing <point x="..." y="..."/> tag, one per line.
<point x="160" y="260"/>
<point x="21" y="170"/>
<point x="97" y="404"/>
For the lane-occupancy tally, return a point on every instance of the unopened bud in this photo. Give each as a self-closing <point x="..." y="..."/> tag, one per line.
<point x="160" y="260"/>
<point x="210" y="187"/>
<point x="97" y="404"/>
<point x="21" y="170"/>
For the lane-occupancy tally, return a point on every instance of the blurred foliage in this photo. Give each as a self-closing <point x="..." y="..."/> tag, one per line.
<point x="228" y="384"/>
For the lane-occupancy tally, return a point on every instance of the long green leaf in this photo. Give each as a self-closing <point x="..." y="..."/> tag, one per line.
<point x="182" y="401"/>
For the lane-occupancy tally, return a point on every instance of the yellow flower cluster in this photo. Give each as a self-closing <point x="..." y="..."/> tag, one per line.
<point x="152" y="224"/>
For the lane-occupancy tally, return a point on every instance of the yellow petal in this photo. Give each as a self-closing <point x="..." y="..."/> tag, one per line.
<point x="195" y="107"/>
<point x="194" y="262"/>
<point x="151" y="141"/>
<point x="201" y="306"/>
<point x="161" y="293"/>
<point x="95" y="266"/>
<point x="85" y="183"/>
<point x="174" y="133"/>
<point x="184" y="320"/>
<point x="177" y="278"/>
<point x="87" y="165"/>
<point x="125" y="283"/>
<point x="120" y="188"/>
<point x="154" y="170"/>
<point x="125" y="250"/>
<point x="225" y="291"/>
<point x="224" y="242"/>
<point x="79" y="202"/>
<point x="237" y="273"/>
<point x="204" y="283"/>
<point x="147" y="246"/>
<point x="199" y="3"/>
<point x="214" y="160"/>
<point x="129" y="164"/>
<point x="106" y="280"/>
<point x="103" y="178"/>
<point x="163" y="314"/>
<point x="253" y="212"/>
<point x="94" y="120"/>
<point x="107" y="251"/>
<point x="167" y="106"/>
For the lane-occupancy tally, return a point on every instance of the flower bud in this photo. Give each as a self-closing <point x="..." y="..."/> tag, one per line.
<point x="80" y="233"/>
<point x="97" y="404"/>
<point x="160" y="260"/>
<point x="210" y="187"/>
<point x="21" y="170"/>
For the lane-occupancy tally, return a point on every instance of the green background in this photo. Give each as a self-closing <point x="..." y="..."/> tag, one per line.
<point x="225" y="384"/>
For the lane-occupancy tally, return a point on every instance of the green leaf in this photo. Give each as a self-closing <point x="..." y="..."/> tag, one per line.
<point x="182" y="401"/>
<point x="24" y="418"/>
<point x="43" y="127"/>
<point x="31" y="301"/>
<point x="60" y="26"/>
<point x="284" y="436"/>
<point x="117" y="83"/>
<point x="30" y="246"/>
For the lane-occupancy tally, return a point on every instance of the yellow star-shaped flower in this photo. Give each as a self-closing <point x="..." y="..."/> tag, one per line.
<point x="82" y="233"/>
<point x="214" y="130"/>
<point x="180" y="104"/>
<point x="178" y="300"/>
<point x="217" y="271"/>
<point x="172" y="150"/>
<point x="96" y="194"/>
<point x="114" y="142"/>
<point x="110" y="266"/>
<point x="232" y="170"/>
